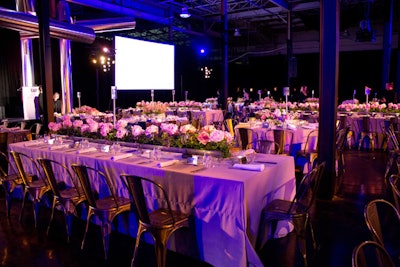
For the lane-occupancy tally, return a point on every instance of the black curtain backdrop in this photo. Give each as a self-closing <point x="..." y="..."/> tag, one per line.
<point x="10" y="74"/>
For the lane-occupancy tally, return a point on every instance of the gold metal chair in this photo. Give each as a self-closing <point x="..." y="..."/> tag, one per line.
<point x="9" y="181"/>
<point x="371" y="254"/>
<point x="284" y="139"/>
<point x="366" y="131"/>
<point x="161" y="222"/>
<point x="268" y="147"/>
<point x="310" y="151"/>
<point x="105" y="205"/>
<point x="67" y="198"/>
<point x="34" y="186"/>
<point x="296" y="211"/>
<point x="394" y="181"/>
<point x="35" y="130"/>
<point x="383" y="222"/>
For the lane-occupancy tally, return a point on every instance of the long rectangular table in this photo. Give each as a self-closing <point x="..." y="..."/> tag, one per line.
<point x="226" y="203"/>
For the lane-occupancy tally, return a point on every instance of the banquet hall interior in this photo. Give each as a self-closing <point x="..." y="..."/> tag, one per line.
<point x="271" y="126"/>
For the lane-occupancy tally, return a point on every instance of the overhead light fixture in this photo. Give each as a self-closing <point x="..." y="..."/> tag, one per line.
<point x="237" y="33"/>
<point x="185" y="13"/>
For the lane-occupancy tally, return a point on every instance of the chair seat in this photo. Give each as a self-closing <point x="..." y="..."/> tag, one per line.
<point x="280" y="207"/>
<point x="161" y="217"/>
<point x="37" y="184"/>
<point x="70" y="193"/>
<point x="110" y="203"/>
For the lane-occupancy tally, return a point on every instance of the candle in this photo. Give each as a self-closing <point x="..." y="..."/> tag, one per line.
<point x="268" y="93"/>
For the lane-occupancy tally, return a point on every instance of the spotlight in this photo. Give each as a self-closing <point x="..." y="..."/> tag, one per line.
<point x="237" y="33"/>
<point x="185" y="13"/>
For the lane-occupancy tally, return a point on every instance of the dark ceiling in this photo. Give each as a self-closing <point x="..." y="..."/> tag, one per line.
<point x="263" y="24"/>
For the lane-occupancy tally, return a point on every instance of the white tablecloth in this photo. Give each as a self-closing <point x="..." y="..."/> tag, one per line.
<point x="225" y="202"/>
<point x="208" y="116"/>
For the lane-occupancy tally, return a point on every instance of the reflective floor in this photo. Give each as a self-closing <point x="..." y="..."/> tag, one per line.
<point x="339" y="225"/>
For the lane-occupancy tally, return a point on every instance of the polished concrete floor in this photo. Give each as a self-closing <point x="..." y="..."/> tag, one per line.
<point x="338" y="223"/>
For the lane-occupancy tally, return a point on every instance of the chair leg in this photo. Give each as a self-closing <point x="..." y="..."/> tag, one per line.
<point x="105" y="232"/>
<point x="312" y="234"/>
<point x="135" y="251"/>
<point x="68" y="222"/>
<point x="8" y="198"/>
<point x="23" y="205"/>
<point x="36" y="212"/>
<point x="53" y="207"/>
<point x="86" y="230"/>
<point x="161" y="238"/>
<point x="300" y="228"/>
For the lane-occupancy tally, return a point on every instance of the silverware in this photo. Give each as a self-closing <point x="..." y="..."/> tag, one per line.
<point x="200" y="169"/>
<point x="267" y="162"/>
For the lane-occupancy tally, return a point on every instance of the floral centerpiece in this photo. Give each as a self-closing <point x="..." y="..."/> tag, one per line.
<point x="152" y="107"/>
<point x="86" y="110"/>
<point x="167" y="134"/>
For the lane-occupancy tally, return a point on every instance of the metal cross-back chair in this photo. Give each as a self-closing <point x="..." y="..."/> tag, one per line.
<point x="295" y="210"/>
<point x="35" y="130"/>
<point x="392" y="164"/>
<point x="365" y="128"/>
<point x="371" y="254"/>
<point x="341" y="138"/>
<point x="67" y="198"/>
<point x="310" y="151"/>
<point x="394" y="181"/>
<point x="161" y="222"/>
<point x="34" y="185"/>
<point x="9" y="181"/>
<point x="383" y="222"/>
<point x="105" y="205"/>
<point x="283" y="138"/>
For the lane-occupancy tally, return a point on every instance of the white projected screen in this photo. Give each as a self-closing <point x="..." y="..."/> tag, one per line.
<point x="142" y="65"/>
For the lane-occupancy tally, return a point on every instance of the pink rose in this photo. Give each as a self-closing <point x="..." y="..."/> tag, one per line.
<point x="203" y="137"/>
<point x="137" y="130"/>
<point x="121" y="133"/>
<point x="77" y="123"/>
<point x="217" y="136"/>
<point x="152" y="129"/>
<point x="84" y="128"/>
<point x="188" y="129"/>
<point x="54" y="127"/>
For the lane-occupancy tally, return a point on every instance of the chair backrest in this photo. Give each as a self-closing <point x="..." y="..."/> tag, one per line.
<point x="341" y="138"/>
<point x="229" y="126"/>
<point x="311" y="142"/>
<point x="391" y="134"/>
<point x="49" y="167"/>
<point x="371" y="254"/>
<point x="5" y="165"/>
<point x="21" y="161"/>
<point x="308" y="188"/>
<point x="35" y="129"/>
<point x="87" y="174"/>
<point x="268" y="147"/>
<point x="394" y="181"/>
<point x="243" y="137"/>
<point x="284" y="139"/>
<point x="137" y="187"/>
<point x="383" y="221"/>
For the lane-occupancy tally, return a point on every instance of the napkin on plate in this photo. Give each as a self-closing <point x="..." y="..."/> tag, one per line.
<point x="249" y="167"/>
<point x="86" y="150"/>
<point x="167" y="163"/>
<point x="55" y="147"/>
<point x="121" y="156"/>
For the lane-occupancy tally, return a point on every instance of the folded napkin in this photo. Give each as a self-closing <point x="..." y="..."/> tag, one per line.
<point x="33" y="143"/>
<point x="249" y="167"/>
<point x="121" y="156"/>
<point x="86" y="150"/>
<point x="55" y="147"/>
<point x="167" y="163"/>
